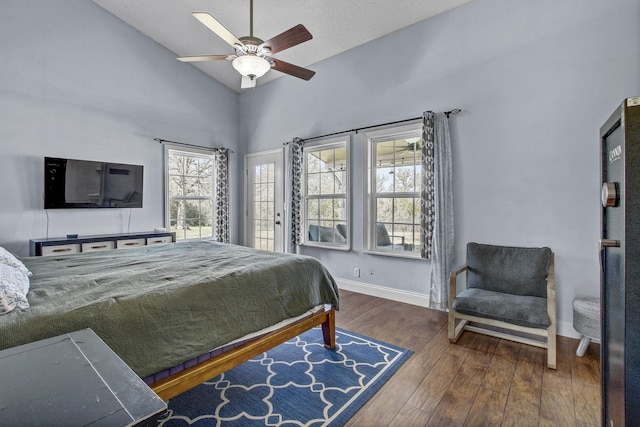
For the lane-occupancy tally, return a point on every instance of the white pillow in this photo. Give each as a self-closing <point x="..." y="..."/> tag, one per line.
<point x="14" y="286"/>
<point x="8" y="258"/>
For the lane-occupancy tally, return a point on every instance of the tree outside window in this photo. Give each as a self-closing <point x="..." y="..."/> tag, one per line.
<point x="190" y="193"/>
<point x="394" y="216"/>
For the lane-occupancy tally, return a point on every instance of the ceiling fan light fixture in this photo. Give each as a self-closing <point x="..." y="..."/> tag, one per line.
<point x="251" y="66"/>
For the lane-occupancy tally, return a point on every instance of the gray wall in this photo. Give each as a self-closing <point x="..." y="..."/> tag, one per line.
<point x="535" y="80"/>
<point x="77" y="82"/>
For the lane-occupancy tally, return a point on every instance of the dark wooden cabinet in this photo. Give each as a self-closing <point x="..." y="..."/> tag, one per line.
<point x="66" y="245"/>
<point x="71" y="380"/>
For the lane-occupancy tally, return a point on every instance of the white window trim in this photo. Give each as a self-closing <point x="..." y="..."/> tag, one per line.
<point x="369" y="233"/>
<point x="188" y="151"/>
<point x="323" y="145"/>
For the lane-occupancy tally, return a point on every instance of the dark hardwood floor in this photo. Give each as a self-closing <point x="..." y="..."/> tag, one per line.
<point x="480" y="381"/>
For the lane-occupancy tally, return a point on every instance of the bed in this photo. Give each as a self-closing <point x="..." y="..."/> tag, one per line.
<point x="190" y="302"/>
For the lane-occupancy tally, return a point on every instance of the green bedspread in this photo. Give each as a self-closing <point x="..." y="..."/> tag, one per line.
<point x="161" y="305"/>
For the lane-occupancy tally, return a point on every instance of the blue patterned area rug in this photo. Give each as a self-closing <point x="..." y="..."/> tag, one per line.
<point x="298" y="383"/>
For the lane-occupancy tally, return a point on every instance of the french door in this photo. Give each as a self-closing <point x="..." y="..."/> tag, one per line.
<point x="264" y="201"/>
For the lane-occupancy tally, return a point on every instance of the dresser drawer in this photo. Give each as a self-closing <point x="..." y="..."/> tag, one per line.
<point x="98" y="246"/>
<point x="61" y="249"/>
<point x="156" y="240"/>
<point x="130" y="243"/>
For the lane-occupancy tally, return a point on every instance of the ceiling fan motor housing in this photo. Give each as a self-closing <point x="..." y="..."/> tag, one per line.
<point x="251" y="45"/>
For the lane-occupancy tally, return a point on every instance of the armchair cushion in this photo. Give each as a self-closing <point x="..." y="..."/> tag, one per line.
<point x="321" y="233"/>
<point x="528" y="311"/>
<point x="382" y="235"/>
<point x="509" y="270"/>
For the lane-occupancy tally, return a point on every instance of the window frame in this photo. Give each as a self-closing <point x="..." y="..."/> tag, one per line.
<point x="171" y="149"/>
<point x="327" y="144"/>
<point x="410" y="130"/>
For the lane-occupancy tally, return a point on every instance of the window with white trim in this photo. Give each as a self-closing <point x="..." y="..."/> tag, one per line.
<point x="326" y="195"/>
<point x="190" y="195"/>
<point x="394" y="186"/>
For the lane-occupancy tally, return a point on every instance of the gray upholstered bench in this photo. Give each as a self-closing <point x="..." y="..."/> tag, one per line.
<point x="586" y="320"/>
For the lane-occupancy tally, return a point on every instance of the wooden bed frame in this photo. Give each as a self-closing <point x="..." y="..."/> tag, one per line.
<point x="185" y="380"/>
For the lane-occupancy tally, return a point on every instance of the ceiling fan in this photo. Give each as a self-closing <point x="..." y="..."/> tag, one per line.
<point x="253" y="56"/>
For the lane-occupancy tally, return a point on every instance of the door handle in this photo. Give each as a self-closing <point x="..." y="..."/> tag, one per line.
<point x="277" y="222"/>
<point x="606" y="243"/>
<point x="609" y="243"/>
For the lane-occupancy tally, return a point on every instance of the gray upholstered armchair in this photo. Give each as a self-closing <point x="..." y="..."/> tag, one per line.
<point x="509" y="289"/>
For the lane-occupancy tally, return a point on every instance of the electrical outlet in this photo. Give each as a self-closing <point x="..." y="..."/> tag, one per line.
<point x="356" y="272"/>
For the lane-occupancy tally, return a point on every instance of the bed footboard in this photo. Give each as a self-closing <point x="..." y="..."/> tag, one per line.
<point x="182" y="381"/>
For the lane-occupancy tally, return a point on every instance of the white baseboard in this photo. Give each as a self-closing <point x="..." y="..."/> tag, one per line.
<point x="564" y="328"/>
<point x="384" y="292"/>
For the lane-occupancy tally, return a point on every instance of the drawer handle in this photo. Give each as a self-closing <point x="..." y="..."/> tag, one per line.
<point x="132" y="243"/>
<point x="98" y="246"/>
<point x="61" y="250"/>
<point x="157" y="241"/>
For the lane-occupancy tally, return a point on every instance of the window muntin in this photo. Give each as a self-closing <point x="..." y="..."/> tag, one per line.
<point x="393" y="225"/>
<point x="190" y="195"/>
<point x="326" y="190"/>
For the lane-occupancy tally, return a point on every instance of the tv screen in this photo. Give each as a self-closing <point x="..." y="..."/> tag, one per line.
<point x="70" y="183"/>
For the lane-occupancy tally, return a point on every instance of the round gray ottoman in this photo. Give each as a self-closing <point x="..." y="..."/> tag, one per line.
<point x="586" y="320"/>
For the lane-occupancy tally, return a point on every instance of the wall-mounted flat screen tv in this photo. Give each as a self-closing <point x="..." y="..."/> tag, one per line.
<point x="70" y="183"/>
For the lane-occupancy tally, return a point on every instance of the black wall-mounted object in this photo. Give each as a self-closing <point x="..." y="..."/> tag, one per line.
<point x="71" y="183"/>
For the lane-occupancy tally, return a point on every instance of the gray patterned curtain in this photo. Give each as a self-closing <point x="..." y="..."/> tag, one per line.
<point x="221" y="208"/>
<point x="293" y="196"/>
<point x="437" y="206"/>
<point x="427" y="193"/>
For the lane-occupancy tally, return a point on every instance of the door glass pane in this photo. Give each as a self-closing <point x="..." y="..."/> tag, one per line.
<point x="264" y="209"/>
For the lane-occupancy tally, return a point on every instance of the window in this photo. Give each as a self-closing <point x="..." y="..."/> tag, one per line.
<point x="189" y="183"/>
<point x="326" y="195"/>
<point x="394" y="186"/>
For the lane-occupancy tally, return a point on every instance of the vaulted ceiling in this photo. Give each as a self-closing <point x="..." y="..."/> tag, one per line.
<point x="336" y="26"/>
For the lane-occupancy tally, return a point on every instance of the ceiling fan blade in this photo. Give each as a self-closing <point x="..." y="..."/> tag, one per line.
<point x="212" y="23"/>
<point x="292" y="70"/>
<point x="292" y="37"/>
<point x="206" y="58"/>
<point x="247" y="83"/>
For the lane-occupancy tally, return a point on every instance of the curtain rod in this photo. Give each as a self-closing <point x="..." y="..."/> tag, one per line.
<point x="162" y="141"/>
<point x="356" y="130"/>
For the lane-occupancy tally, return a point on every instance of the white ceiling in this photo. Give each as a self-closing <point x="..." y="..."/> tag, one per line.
<point x="336" y="26"/>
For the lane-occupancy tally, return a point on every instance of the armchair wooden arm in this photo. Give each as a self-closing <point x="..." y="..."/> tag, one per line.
<point x="453" y="279"/>
<point x="551" y="309"/>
